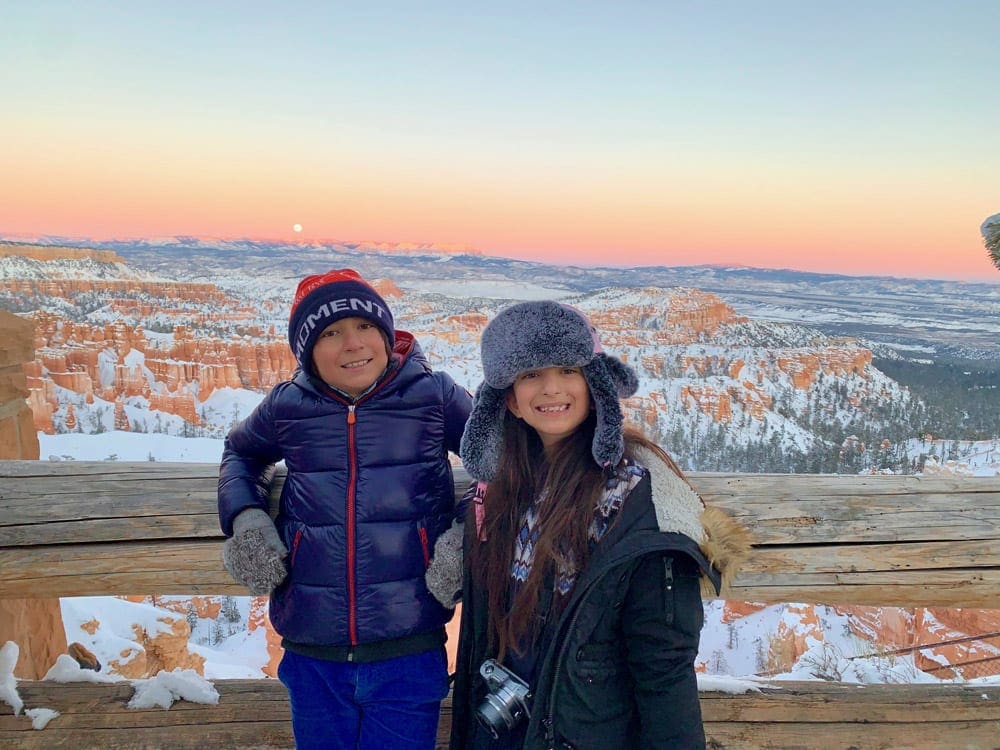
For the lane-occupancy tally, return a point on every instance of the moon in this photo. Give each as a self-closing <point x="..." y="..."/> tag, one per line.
<point x="296" y="227"/>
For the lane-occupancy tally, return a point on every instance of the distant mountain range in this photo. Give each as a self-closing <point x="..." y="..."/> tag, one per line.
<point x="916" y="318"/>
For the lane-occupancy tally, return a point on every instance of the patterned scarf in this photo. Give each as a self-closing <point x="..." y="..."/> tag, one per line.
<point x="616" y="489"/>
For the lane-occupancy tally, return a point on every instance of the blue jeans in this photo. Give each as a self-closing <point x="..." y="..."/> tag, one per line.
<point x="394" y="703"/>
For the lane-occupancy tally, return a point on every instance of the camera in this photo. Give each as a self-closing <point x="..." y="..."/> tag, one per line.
<point x="506" y="702"/>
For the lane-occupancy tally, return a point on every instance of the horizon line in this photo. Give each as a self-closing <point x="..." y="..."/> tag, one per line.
<point x="470" y="250"/>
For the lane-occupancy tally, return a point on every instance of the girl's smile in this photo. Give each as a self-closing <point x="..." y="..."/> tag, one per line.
<point x="554" y="401"/>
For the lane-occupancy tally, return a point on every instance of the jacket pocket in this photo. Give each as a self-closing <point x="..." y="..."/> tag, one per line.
<point x="425" y="545"/>
<point x="597" y="696"/>
<point x="682" y="592"/>
<point x="599" y="662"/>
<point x="295" y="548"/>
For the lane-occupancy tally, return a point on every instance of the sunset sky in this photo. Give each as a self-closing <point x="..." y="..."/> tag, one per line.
<point x="857" y="137"/>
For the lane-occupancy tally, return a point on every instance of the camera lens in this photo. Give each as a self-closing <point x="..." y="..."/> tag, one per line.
<point x="494" y="716"/>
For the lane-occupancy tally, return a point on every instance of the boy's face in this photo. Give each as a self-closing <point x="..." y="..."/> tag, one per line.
<point x="350" y="355"/>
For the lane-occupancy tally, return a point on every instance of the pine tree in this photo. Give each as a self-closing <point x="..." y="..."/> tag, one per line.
<point x="230" y="610"/>
<point x="192" y="616"/>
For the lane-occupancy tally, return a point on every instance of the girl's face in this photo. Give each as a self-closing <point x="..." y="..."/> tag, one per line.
<point x="552" y="400"/>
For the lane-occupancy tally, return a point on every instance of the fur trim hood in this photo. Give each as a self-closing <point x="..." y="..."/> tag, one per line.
<point x="679" y="509"/>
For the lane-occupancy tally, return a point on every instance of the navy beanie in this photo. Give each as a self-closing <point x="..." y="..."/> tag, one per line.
<point x="326" y="298"/>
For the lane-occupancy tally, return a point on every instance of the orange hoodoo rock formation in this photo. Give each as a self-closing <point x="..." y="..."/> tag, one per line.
<point x="70" y="356"/>
<point x="35" y="625"/>
<point x="943" y="639"/>
<point x="55" y="252"/>
<point x="692" y="315"/>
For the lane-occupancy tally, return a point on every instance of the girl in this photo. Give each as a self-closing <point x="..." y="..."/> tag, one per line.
<point x="581" y="599"/>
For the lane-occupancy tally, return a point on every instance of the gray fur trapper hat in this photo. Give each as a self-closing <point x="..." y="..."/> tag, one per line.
<point x="531" y="336"/>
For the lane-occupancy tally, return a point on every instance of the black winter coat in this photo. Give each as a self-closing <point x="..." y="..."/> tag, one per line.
<point x="618" y="671"/>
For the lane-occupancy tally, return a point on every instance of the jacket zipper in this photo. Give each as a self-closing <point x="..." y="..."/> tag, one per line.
<point x="352" y="615"/>
<point x="549" y="723"/>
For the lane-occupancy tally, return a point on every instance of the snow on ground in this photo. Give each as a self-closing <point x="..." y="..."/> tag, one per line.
<point x="230" y="652"/>
<point x="66" y="669"/>
<point x="8" y="684"/>
<point x="970" y="458"/>
<point x="732" y="685"/>
<point x="237" y="657"/>
<point x="128" y="446"/>
<point x="40" y="717"/>
<point x="164" y="688"/>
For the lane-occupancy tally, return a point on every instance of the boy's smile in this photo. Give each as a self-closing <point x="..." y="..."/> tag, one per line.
<point x="350" y="355"/>
<point x="552" y="400"/>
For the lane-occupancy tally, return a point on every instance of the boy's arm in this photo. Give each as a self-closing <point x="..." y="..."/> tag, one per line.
<point x="253" y="553"/>
<point x="247" y="466"/>
<point x="457" y="407"/>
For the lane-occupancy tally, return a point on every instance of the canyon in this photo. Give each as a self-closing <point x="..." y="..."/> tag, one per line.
<point x="98" y="344"/>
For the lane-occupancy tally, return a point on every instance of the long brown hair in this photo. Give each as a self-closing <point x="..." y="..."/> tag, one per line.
<point x="572" y="483"/>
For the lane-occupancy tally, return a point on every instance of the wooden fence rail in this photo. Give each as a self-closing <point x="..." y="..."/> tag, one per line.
<point x="67" y="527"/>
<point x="93" y="528"/>
<point x="782" y="716"/>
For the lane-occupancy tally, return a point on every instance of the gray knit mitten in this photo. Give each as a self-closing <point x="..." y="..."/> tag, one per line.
<point x="444" y="574"/>
<point x="254" y="555"/>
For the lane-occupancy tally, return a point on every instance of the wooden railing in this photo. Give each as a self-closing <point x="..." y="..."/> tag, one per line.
<point x="75" y="528"/>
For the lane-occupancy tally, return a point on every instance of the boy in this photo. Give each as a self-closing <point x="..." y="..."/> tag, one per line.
<point x="364" y="427"/>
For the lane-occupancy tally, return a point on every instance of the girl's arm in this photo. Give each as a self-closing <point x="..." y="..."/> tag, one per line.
<point x="661" y="619"/>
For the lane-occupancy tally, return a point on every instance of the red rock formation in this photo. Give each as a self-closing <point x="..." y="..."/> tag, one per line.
<point x="790" y="642"/>
<point x="459" y="328"/>
<point x="945" y="638"/>
<point x="258" y="619"/>
<point x="35" y="625"/>
<point x="387" y="288"/>
<point x="804" y="366"/>
<point x="121" y="418"/>
<point x="69" y="356"/>
<point x="18" y="439"/>
<point x="164" y="650"/>
<point x="733" y="611"/>
<point x="717" y="404"/>
<point x="83" y="656"/>
<point x="125" y="289"/>
<point x="54" y="252"/>
<point x="692" y="315"/>
<point x="70" y="418"/>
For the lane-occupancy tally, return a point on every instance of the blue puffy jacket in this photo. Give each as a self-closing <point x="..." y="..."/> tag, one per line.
<point x="368" y="491"/>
